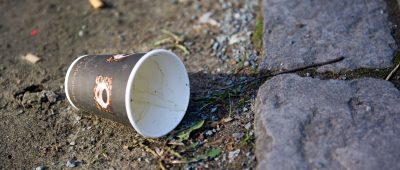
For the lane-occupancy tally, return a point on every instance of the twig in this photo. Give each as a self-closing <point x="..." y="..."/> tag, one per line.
<point x="183" y="48"/>
<point x="162" y="167"/>
<point x="168" y="149"/>
<point x="392" y="72"/>
<point x="148" y="149"/>
<point x="174" y="36"/>
<point x="278" y="73"/>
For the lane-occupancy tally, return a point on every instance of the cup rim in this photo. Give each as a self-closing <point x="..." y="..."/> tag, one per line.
<point x="66" y="80"/>
<point x="131" y="78"/>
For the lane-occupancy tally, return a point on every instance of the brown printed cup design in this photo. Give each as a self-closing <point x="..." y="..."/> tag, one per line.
<point x="102" y="93"/>
<point x="147" y="91"/>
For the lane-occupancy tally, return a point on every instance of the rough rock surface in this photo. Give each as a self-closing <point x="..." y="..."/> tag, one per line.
<point x="306" y="123"/>
<point x="301" y="32"/>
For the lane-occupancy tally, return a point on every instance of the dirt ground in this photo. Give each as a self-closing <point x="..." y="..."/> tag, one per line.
<point x="38" y="126"/>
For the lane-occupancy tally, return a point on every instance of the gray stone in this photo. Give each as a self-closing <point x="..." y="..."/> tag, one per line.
<point x="306" y="123"/>
<point x="302" y="32"/>
<point x="233" y="154"/>
<point x="51" y="96"/>
<point x="40" y="168"/>
<point x="72" y="163"/>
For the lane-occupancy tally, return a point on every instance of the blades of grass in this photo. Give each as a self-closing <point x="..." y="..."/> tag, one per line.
<point x="147" y="148"/>
<point x="184" y="135"/>
<point x="163" y="41"/>
<point x="162" y="167"/>
<point x="171" y="151"/>
<point x="213" y="153"/>
<point x="183" y="48"/>
<point x="174" y="36"/>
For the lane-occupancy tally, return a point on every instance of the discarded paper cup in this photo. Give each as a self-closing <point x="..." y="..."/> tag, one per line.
<point x="149" y="91"/>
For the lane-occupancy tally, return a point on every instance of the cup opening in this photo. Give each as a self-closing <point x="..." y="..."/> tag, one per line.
<point x="157" y="93"/>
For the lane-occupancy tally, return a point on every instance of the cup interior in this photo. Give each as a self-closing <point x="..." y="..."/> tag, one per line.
<point x="157" y="93"/>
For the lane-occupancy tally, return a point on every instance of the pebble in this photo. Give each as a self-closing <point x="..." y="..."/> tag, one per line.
<point x="233" y="154"/>
<point x="81" y="33"/>
<point x="51" y="96"/>
<point x="228" y="119"/>
<point x="247" y="126"/>
<point x="206" y="19"/>
<point x="245" y="109"/>
<point x="40" y="168"/>
<point x="72" y="163"/>
<point x="214" y="109"/>
<point x="20" y="112"/>
<point x="209" y="132"/>
<point x="246" y="63"/>
<point x="237" y="136"/>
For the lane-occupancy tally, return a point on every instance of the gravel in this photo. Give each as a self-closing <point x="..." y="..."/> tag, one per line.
<point x="247" y="126"/>
<point x="236" y="31"/>
<point x="72" y="163"/>
<point x="233" y="154"/>
<point x="40" y="168"/>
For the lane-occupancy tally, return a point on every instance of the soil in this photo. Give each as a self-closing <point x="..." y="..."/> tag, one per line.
<point x="38" y="126"/>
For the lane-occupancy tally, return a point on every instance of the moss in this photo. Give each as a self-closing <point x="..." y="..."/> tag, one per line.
<point x="396" y="57"/>
<point x="363" y="72"/>
<point x="258" y="32"/>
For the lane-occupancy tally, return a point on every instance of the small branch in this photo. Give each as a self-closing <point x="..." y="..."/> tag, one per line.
<point x="392" y="72"/>
<point x="280" y="72"/>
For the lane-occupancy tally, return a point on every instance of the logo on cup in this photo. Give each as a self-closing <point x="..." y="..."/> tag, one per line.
<point x="102" y="93"/>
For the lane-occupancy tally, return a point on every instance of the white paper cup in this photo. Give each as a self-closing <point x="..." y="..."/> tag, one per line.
<point x="148" y="91"/>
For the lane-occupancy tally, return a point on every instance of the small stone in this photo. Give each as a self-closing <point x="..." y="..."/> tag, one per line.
<point x="239" y="37"/>
<point x="40" y="168"/>
<point x="20" y="112"/>
<point x="51" y="96"/>
<point x="233" y="154"/>
<point x="214" y="109"/>
<point x="81" y="33"/>
<point x="72" y="143"/>
<point x="206" y="19"/>
<point x="228" y="119"/>
<point x="245" y="109"/>
<point x="209" y="132"/>
<point x="237" y="136"/>
<point x="72" y="163"/>
<point x="247" y="126"/>
<point x="236" y="15"/>
<point x="246" y="63"/>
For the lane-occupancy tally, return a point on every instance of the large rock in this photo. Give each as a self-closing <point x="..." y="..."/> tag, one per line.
<point x="306" y="123"/>
<point x="302" y="32"/>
